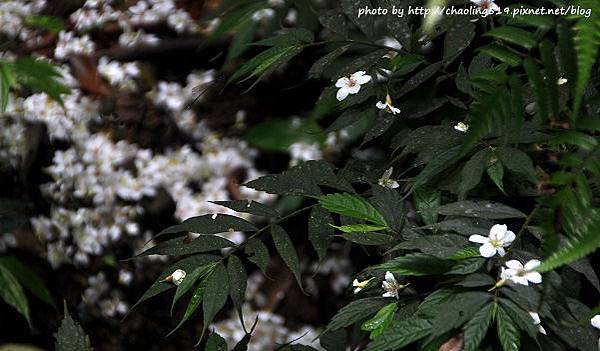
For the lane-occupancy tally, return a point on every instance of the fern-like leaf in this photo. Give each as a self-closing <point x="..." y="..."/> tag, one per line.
<point x="587" y="39"/>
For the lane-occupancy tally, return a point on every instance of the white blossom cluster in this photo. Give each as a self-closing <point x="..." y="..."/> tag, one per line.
<point x="13" y="15"/>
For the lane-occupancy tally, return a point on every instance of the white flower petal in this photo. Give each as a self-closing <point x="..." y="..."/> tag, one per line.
<point x="362" y="79"/>
<point x="596" y="321"/>
<point x="342" y="82"/>
<point x="480" y="239"/>
<point x="393" y="184"/>
<point x="501" y="251"/>
<point x="514" y="264"/>
<point x="534" y="277"/>
<point x="519" y="280"/>
<point x="342" y="94"/>
<point x="389" y="277"/>
<point x="497" y="232"/>
<point x="389" y="294"/>
<point x="355" y="282"/>
<point x="381" y="105"/>
<point x="357" y="290"/>
<point x="395" y="110"/>
<point x="509" y="237"/>
<point x="535" y="317"/>
<point x="542" y="330"/>
<point x="532" y="264"/>
<point x="487" y="250"/>
<point x="354" y="89"/>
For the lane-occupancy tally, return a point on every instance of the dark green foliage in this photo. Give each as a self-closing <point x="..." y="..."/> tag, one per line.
<point x="70" y="336"/>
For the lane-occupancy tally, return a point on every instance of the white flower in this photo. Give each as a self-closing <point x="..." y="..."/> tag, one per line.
<point x="358" y="286"/>
<point x="487" y="6"/>
<point x="498" y="239"/>
<point x="385" y="180"/>
<point x="387" y="105"/>
<point x="596" y="321"/>
<point x="391" y="285"/>
<point x="461" y="127"/>
<point x="561" y="81"/>
<point x="537" y="321"/>
<point x="519" y="274"/>
<point x="263" y="15"/>
<point x="177" y="277"/>
<point x="351" y="85"/>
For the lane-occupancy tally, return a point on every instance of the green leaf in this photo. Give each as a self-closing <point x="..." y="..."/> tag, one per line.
<point x="39" y="75"/>
<point x="351" y="116"/>
<point x="368" y="238"/>
<point x="303" y="179"/>
<point x="437" y="245"/>
<point x="400" y="334"/>
<point x="581" y="243"/>
<point x="215" y="343"/>
<point x="190" y="280"/>
<point x="249" y="206"/>
<point x="266" y="62"/>
<point x="12" y="293"/>
<point x="257" y="253"/>
<point x="457" y="310"/>
<point x="496" y="173"/>
<point x="518" y="162"/>
<point x="322" y="64"/>
<point x="356" y="311"/>
<point x="70" y="335"/>
<point x="477" y="327"/>
<point x="539" y="87"/>
<point x="286" y="250"/>
<point x="181" y="246"/>
<point x="241" y="40"/>
<point x="551" y="73"/>
<point x="28" y="279"/>
<point x="187" y="264"/>
<point x="416" y="264"/>
<point x="587" y="38"/>
<point x="380" y="321"/>
<point x="288" y="37"/>
<point x="509" y="335"/>
<point x="206" y="224"/>
<point x="7" y="80"/>
<point x="467" y="266"/>
<point x="359" y="228"/>
<point x="419" y="78"/>
<point x="192" y="306"/>
<point x="442" y="161"/>
<point x="280" y="134"/>
<point x="472" y="172"/>
<point x="365" y="23"/>
<point x="319" y="231"/>
<point x="513" y="35"/>
<point x="500" y="53"/>
<point x="353" y="206"/>
<point x="458" y="38"/>
<point x="477" y="280"/>
<point x="50" y="23"/>
<point x="215" y="294"/>
<point x="480" y="209"/>
<point x="382" y="124"/>
<point x="237" y="282"/>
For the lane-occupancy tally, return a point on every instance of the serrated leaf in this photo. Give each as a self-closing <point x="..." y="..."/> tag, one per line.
<point x="419" y="78"/>
<point x="257" y="253"/>
<point x="209" y="224"/>
<point x="286" y="250"/>
<point x="353" y="206"/>
<point x="496" y="174"/>
<point x="467" y="265"/>
<point x="303" y="179"/>
<point x="266" y="62"/>
<point x="416" y="264"/>
<point x="427" y="200"/>
<point x="237" y="282"/>
<point x="190" y="280"/>
<point x="437" y="245"/>
<point x="70" y="335"/>
<point x="539" y="87"/>
<point x="187" y="264"/>
<point x="390" y="205"/>
<point x="458" y="309"/>
<point x="382" y="124"/>
<point x="322" y="64"/>
<point x="513" y="35"/>
<point x="458" y="38"/>
<point x="356" y="311"/>
<point x="182" y="246"/>
<point x="365" y="23"/>
<point x="215" y="294"/>
<point x="359" y="228"/>
<point x="500" y="53"/>
<point x="249" y="206"/>
<point x="192" y="306"/>
<point x="480" y="209"/>
<point x="7" y="80"/>
<point x="587" y="37"/>
<point x="368" y="238"/>
<point x="39" y="75"/>
<point x="476" y="280"/>
<point x="477" y="327"/>
<point x="241" y="40"/>
<point x="518" y="162"/>
<point x="288" y="37"/>
<point x="335" y="21"/>
<point x="380" y="321"/>
<point x="400" y="334"/>
<point x="319" y="231"/>
<point x="472" y="172"/>
<point x="509" y="335"/>
<point x="12" y="293"/>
